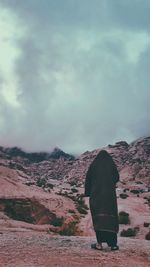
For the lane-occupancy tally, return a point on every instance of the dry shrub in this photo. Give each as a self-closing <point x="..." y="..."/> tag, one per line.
<point x="69" y="229"/>
<point x="123" y="196"/>
<point x="129" y="232"/>
<point x="147" y="236"/>
<point x="124" y="217"/>
<point x="146" y="224"/>
<point x="57" y="221"/>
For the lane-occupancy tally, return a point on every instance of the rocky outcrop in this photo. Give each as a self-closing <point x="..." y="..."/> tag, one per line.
<point x="133" y="161"/>
<point x="31" y="204"/>
<point x="18" y="154"/>
<point x="27" y="210"/>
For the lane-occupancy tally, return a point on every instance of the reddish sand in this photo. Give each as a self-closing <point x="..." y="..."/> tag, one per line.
<point x="31" y="249"/>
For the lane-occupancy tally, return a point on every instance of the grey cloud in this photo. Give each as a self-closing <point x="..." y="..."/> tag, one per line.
<point x="78" y="89"/>
<point x="130" y="14"/>
<point x="58" y="12"/>
<point x="102" y="14"/>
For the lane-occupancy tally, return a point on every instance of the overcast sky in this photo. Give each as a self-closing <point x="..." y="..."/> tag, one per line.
<point x="74" y="73"/>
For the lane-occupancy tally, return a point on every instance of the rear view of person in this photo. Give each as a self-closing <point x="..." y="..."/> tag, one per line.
<point x="100" y="186"/>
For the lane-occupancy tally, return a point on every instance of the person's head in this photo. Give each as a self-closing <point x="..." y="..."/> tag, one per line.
<point x="103" y="157"/>
<point x="103" y="154"/>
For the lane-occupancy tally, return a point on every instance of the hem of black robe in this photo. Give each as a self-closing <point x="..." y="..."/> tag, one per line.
<point x="105" y="222"/>
<point x="106" y="230"/>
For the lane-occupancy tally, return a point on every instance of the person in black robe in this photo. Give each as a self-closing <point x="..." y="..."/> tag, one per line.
<point x="100" y="186"/>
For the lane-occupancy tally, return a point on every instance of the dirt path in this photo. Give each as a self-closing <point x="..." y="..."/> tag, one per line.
<point x="30" y="249"/>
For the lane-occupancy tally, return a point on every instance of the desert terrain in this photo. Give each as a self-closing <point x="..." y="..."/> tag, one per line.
<point x="34" y="249"/>
<point x="45" y="219"/>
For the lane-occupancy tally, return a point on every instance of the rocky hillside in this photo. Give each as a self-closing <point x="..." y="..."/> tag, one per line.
<point x="31" y="207"/>
<point x="133" y="161"/>
<point x="44" y="191"/>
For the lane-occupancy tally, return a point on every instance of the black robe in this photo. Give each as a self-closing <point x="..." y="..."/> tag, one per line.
<point x="100" y="186"/>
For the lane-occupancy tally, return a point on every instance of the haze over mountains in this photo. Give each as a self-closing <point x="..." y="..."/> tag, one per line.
<point x="133" y="162"/>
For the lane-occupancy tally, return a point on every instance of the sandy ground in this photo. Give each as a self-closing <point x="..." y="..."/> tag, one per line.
<point x="30" y="249"/>
<point x="20" y="246"/>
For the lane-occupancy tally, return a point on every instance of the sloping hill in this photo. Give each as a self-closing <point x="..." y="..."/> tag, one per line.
<point x="31" y="207"/>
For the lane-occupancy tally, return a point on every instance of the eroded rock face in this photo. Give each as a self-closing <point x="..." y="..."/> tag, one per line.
<point x="31" y="205"/>
<point x="27" y="210"/>
<point x="135" y="158"/>
<point x="133" y="162"/>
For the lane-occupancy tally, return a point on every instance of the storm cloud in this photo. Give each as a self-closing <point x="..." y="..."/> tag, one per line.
<point x="74" y="74"/>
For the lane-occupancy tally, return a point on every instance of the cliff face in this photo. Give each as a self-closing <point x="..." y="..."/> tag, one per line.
<point x="133" y="162"/>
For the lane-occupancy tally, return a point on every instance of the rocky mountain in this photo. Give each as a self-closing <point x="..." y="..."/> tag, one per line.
<point x="44" y="191"/>
<point x="15" y="153"/>
<point x="133" y="162"/>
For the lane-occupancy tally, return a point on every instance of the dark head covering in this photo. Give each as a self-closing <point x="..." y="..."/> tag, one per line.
<point x="100" y="185"/>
